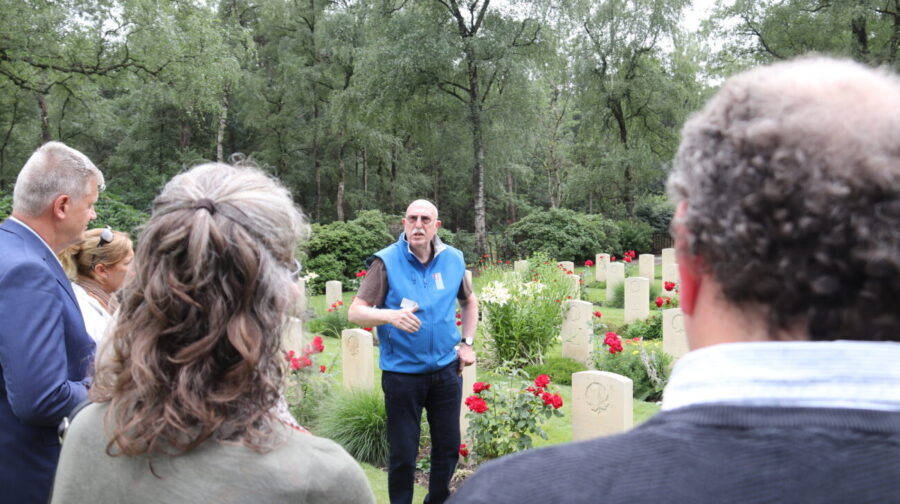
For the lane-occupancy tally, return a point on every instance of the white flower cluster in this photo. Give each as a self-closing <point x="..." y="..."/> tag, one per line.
<point x="531" y="289"/>
<point x="495" y="293"/>
<point x="310" y="276"/>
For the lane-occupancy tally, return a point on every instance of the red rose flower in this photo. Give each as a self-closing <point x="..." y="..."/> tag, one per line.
<point x="361" y="273"/>
<point x="659" y="302"/>
<point x="542" y="380"/>
<point x="547" y="397"/>
<point x="304" y="361"/>
<point x="317" y="345"/>
<point x="458" y="315"/>
<point x="463" y="451"/>
<point x="322" y="368"/>
<point x="668" y="300"/>
<point x="289" y="355"/>
<point x="588" y="263"/>
<point x="329" y="310"/>
<point x="627" y="259"/>
<point x="458" y="323"/>
<point x="556" y="401"/>
<point x="612" y="258"/>
<point x="480" y="387"/>
<point x="530" y="389"/>
<point x="295" y="364"/>
<point x="476" y="404"/>
<point x="669" y="286"/>
<point x="598" y="314"/>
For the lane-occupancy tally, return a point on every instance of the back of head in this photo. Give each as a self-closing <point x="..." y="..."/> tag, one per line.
<point x="80" y="259"/>
<point x="197" y="349"/>
<point x="52" y="170"/>
<point x="791" y="180"/>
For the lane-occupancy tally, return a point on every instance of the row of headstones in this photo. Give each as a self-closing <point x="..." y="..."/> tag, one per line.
<point x="602" y="402"/>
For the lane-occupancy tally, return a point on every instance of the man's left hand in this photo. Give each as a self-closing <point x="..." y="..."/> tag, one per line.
<point x="466" y="356"/>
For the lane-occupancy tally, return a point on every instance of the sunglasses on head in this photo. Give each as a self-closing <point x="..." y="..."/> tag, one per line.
<point x="106" y="236"/>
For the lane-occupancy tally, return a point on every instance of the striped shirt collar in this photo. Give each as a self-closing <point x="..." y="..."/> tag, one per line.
<point x="821" y="374"/>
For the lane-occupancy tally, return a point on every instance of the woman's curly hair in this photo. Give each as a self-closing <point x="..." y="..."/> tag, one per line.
<point x="196" y="352"/>
<point x="791" y="178"/>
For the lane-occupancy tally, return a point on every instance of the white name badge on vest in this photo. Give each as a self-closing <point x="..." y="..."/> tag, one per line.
<point x="408" y="304"/>
<point x="438" y="281"/>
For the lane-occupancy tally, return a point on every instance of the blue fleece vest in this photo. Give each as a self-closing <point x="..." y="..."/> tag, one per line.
<point x="434" y="288"/>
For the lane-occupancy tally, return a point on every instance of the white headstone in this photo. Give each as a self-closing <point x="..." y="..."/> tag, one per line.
<point x="601" y="264"/>
<point x="675" y="342"/>
<point x="601" y="404"/>
<point x="647" y="266"/>
<point x="357" y="359"/>
<point x="520" y="266"/>
<point x="568" y="265"/>
<point x="333" y="292"/>
<point x="575" y="288"/>
<point x="301" y="304"/>
<point x="577" y="328"/>
<point x="669" y="274"/>
<point x="469" y="378"/>
<point x="293" y="334"/>
<point x="668" y="256"/>
<point x="615" y="274"/>
<point x="637" y="298"/>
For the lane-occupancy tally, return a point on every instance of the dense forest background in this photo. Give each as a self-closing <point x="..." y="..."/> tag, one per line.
<point x="495" y="110"/>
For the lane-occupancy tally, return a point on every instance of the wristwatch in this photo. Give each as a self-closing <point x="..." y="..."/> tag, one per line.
<point x="469" y="341"/>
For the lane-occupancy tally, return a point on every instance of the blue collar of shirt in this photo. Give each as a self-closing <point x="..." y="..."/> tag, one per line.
<point x="815" y="374"/>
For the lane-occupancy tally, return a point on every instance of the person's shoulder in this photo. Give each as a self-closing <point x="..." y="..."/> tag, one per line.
<point x="320" y="469"/>
<point x="582" y="471"/>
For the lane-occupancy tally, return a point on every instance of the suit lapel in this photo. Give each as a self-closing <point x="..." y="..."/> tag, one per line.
<point x="40" y="249"/>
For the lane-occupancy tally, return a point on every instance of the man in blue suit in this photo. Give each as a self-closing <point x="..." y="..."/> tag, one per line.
<point x="45" y="352"/>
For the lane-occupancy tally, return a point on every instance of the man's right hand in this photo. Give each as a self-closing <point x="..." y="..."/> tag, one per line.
<point x="404" y="319"/>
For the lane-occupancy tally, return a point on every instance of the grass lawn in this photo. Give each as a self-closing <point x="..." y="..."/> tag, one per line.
<point x="559" y="429"/>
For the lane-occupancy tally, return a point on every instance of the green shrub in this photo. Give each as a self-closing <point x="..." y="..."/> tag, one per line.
<point x="522" y="316"/>
<point x="357" y="421"/>
<point x="111" y="211"/>
<point x="561" y="233"/>
<point x="644" y="362"/>
<point x="333" y="322"/>
<point x="617" y="300"/>
<point x="634" y="235"/>
<point x="657" y="211"/>
<point x="348" y="244"/>
<point x="647" y="329"/>
<point x="556" y="367"/>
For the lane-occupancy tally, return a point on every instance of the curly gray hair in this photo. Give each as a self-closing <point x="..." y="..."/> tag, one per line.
<point x="791" y="178"/>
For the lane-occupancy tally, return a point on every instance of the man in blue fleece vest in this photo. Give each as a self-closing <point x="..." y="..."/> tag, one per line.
<point x="787" y="233"/>
<point x="411" y="291"/>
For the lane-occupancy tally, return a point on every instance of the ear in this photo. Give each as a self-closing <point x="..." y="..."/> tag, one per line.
<point x="690" y="267"/>
<point x="403" y="221"/>
<point x="437" y="224"/>
<point x="60" y="206"/>
<point x="100" y="270"/>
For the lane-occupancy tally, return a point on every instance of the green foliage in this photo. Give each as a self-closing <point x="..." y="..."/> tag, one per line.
<point x="307" y="393"/>
<point x="111" y="211"/>
<point x="657" y="211"/>
<point x="634" y="235"/>
<point x="337" y="251"/>
<point x="644" y="362"/>
<point x="522" y="316"/>
<point x="503" y="418"/>
<point x="333" y="322"/>
<point x="617" y="300"/>
<point x="647" y="329"/>
<point x="561" y="233"/>
<point x="357" y="421"/>
<point x="556" y="367"/>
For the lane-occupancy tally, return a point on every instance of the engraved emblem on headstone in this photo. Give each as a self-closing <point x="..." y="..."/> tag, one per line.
<point x="597" y="398"/>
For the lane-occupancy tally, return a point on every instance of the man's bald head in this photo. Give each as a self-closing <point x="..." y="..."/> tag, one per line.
<point x="420" y="223"/>
<point x="420" y="204"/>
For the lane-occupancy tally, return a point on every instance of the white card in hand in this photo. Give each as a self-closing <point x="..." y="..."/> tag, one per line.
<point x="408" y="303"/>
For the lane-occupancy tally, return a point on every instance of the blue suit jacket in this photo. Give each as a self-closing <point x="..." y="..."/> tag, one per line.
<point x="45" y="357"/>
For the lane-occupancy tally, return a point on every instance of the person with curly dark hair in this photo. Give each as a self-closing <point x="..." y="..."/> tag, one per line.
<point x="787" y="233"/>
<point x="188" y="383"/>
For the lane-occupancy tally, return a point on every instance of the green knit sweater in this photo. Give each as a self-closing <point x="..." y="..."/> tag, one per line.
<point x="301" y="468"/>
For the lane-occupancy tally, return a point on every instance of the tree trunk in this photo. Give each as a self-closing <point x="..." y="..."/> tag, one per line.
<point x="436" y="185"/>
<point x="615" y="106"/>
<point x="511" y="192"/>
<point x="317" y="164"/>
<point x="12" y="124"/>
<point x="365" y="167"/>
<point x="184" y="134"/>
<point x="45" y="117"/>
<point x="478" y="147"/>
<point x="395" y="155"/>
<point x="220" y="134"/>
<point x="342" y="176"/>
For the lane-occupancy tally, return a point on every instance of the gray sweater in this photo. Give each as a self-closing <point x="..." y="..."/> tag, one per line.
<point x="710" y="454"/>
<point x="302" y="468"/>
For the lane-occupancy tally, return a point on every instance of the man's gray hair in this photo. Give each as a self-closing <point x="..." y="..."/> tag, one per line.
<point x="52" y="170"/>
<point x="791" y="178"/>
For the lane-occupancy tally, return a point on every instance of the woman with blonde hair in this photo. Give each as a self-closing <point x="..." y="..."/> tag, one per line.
<point x="187" y="386"/>
<point x="98" y="267"/>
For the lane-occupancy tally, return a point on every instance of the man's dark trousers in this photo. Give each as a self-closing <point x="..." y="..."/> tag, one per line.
<point x="405" y="395"/>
